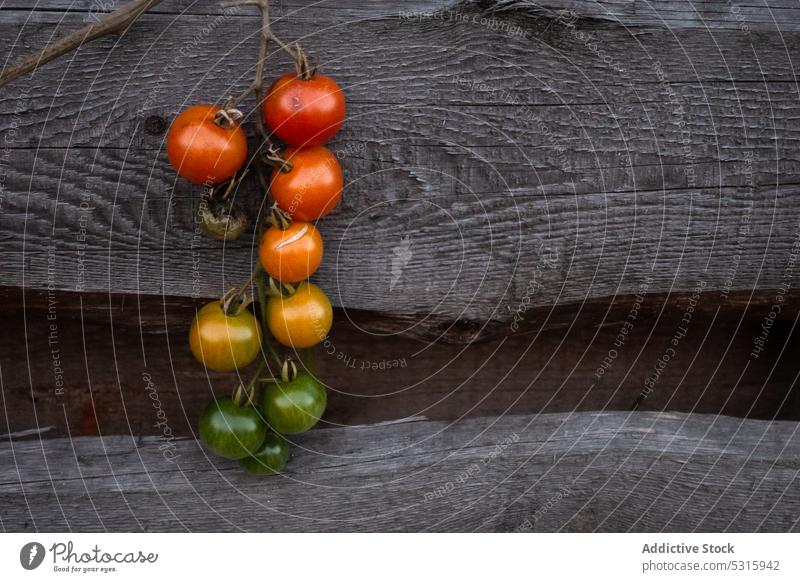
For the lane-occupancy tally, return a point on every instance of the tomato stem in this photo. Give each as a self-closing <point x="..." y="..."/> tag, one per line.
<point x="288" y="371"/>
<point x="236" y="299"/>
<point x="228" y="117"/>
<point x="266" y="336"/>
<point x="245" y="395"/>
<point x="232" y="185"/>
<point x="278" y="218"/>
<point x="304" y="70"/>
<point x="297" y="54"/>
<point x="280" y="289"/>
<point x="272" y="155"/>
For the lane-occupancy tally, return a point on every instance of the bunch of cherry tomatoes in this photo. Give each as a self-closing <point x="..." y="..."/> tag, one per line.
<point x="206" y="145"/>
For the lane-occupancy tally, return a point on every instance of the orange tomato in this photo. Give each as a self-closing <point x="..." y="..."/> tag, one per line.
<point x="304" y="112"/>
<point x="313" y="187"/>
<point x="302" y="320"/>
<point x="202" y="151"/>
<point x="291" y="255"/>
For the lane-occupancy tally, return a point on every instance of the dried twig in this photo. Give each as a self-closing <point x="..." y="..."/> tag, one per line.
<point x="257" y="86"/>
<point x="296" y="53"/>
<point x="116" y="22"/>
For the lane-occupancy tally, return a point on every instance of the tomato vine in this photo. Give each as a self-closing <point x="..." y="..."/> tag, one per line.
<point x="206" y="145"/>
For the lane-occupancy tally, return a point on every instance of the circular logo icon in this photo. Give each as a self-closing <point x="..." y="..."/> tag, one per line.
<point x="31" y="555"/>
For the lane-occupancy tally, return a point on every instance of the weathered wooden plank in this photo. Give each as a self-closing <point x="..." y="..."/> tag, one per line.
<point x="122" y="365"/>
<point x="672" y="14"/>
<point x="565" y="472"/>
<point x="433" y="63"/>
<point x="278" y="8"/>
<point x="781" y="15"/>
<point x="477" y="259"/>
<point x="494" y="153"/>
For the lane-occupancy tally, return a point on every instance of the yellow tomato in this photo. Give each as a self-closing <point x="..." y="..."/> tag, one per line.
<point x="224" y="342"/>
<point x="302" y="320"/>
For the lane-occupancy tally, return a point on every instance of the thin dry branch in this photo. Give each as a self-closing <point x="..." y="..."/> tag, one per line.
<point x="116" y="22"/>
<point x="266" y="35"/>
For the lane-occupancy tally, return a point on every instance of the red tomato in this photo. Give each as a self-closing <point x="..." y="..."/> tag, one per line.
<point x="304" y="112"/>
<point x="202" y="151"/>
<point x="312" y="188"/>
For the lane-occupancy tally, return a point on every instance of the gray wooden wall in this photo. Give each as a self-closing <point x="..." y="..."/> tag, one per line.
<point x="519" y="152"/>
<point x="525" y="173"/>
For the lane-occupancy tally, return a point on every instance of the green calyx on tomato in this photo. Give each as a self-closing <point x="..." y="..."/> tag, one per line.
<point x="269" y="459"/>
<point x="230" y="430"/>
<point x="293" y="406"/>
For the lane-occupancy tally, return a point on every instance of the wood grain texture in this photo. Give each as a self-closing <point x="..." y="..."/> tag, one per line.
<point x="778" y="15"/>
<point x="125" y="367"/>
<point x="581" y="160"/>
<point x="560" y="472"/>
<point x="111" y="23"/>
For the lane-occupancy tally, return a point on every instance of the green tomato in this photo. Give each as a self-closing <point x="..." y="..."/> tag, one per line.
<point x="269" y="459"/>
<point x="294" y="407"/>
<point x="231" y="431"/>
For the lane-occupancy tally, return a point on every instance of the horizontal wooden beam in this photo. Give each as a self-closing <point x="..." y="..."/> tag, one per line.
<point x="765" y="15"/>
<point x="563" y="472"/>
<point x="76" y="363"/>
<point x="542" y="169"/>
